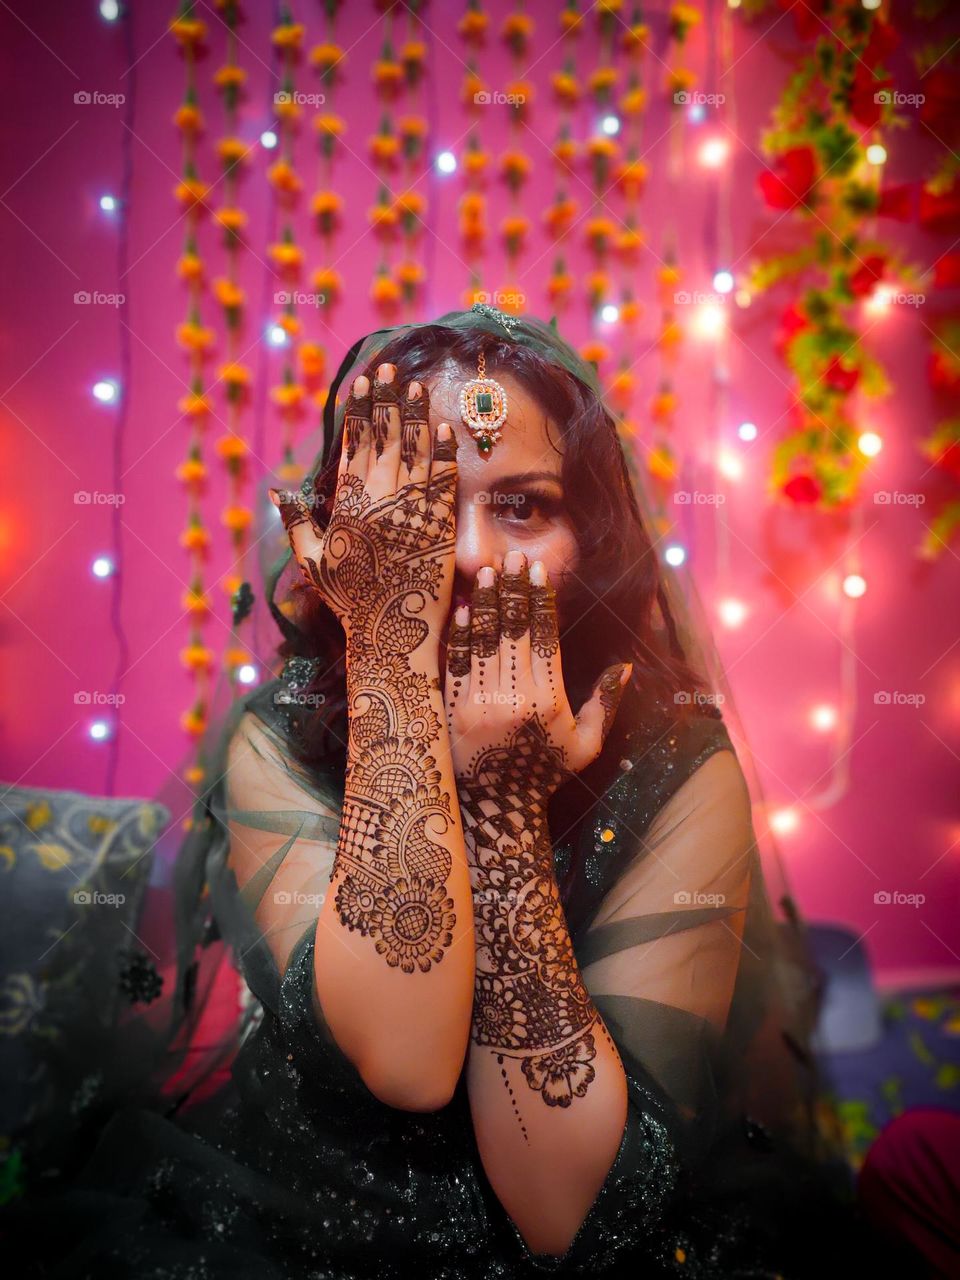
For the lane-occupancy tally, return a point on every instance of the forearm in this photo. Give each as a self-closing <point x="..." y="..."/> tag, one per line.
<point x="547" y="1089"/>
<point x="394" y="952"/>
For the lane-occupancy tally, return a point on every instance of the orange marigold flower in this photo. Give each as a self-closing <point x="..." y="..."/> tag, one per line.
<point x="286" y="106"/>
<point x="571" y="22"/>
<point x="230" y="77"/>
<point x="388" y="76"/>
<point x="330" y="125"/>
<point x="327" y="205"/>
<point x="289" y="324"/>
<point x="599" y="147"/>
<point x="194" y="406"/>
<point x="510" y="299"/>
<point x="232" y="448"/>
<point x="603" y="79"/>
<point x="188" y="118"/>
<point x="312" y="359"/>
<point x="197" y="657"/>
<point x="669" y="276"/>
<point x="384" y="147"/>
<point x="231" y="219"/>
<point x="283" y="176"/>
<point x="514" y="227"/>
<point x="595" y="352"/>
<point x="195" y="538"/>
<point x="191" y="472"/>
<point x="475" y="161"/>
<point x="195" y="337"/>
<point x="189" y="267"/>
<point x="382" y="217"/>
<point x="191" y="192"/>
<point x="188" y="31"/>
<point x="414" y="51"/>
<point x="236" y="517"/>
<point x="472" y="205"/>
<point x="328" y="282"/>
<point x="682" y="18"/>
<point x="663" y="406"/>
<point x="385" y="291"/>
<point x="628" y="244"/>
<point x="597" y="284"/>
<point x="234" y="374"/>
<point x="195" y="723"/>
<point x="635" y="38"/>
<point x="228" y="294"/>
<point x="559" y="285"/>
<point x="195" y="601"/>
<point x="670" y="334"/>
<point x="230" y="585"/>
<point x="474" y="294"/>
<point x="622" y="384"/>
<point x="411" y="127"/>
<point x="632" y="176"/>
<point x="235" y="657"/>
<point x="288" y="36"/>
<point x="514" y="166"/>
<point x="634" y="101"/>
<point x="288" y="396"/>
<point x="560" y="214"/>
<point x="517" y="30"/>
<point x="471" y="88"/>
<point x="232" y="149"/>
<point x="194" y="775"/>
<point x="630" y="311"/>
<point x="473" y="231"/>
<point x="289" y="257"/>
<point x="411" y="202"/>
<point x="325" y="56"/>
<point x="661" y="463"/>
<point x="522" y="92"/>
<point x="598" y="233"/>
<point x="410" y="273"/>
<point x="680" y="80"/>
<point x="473" y="25"/>
<point x="565" y="151"/>
<point x="566" y="88"/>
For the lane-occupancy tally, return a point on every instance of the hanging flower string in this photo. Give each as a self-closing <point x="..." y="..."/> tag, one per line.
<point x="517" y="30"/>
<point x="384" y="216"/>
<point x="411" y="205"/>
<point x="472" y="209"/>
<point x="567" y="93"/>
<point x="197" y="340"/>
<point x="287" y="255"/>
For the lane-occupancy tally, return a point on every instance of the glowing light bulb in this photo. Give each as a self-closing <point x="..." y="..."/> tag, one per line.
<point x="879" y="301"/>
<point x="696" y="113"/>
<point x="247" y="674"/>
<point x="869" y="444"/>
<point x="446" y="162"/>
<point x="872" y="4"/>
<point x="732" y="612"/>
<point x="102" y="567"/>
<point x="107" y="390"/>
<point x="854" y="585"/>
<point x="609" y="313"/>
<point x="675" y="555"/>
<point x="99" y="730"/>
<point x="710" y="319"/>
<point x="610" y="125"/>
<point x="733" y="4"/>
<point x="277" y="335"/>
<point x="729" y="465"/>
<point x="109" y="10"/>
<point x="783" y="821"/>
<point x="108" y="204"/>
<point x="714" y="152"/>
<point x="723" y="282"/>
<point x="876" y="153"/>
<point x="747" y="431"/>
<point x="824" y="717"/>
<point x="268" y="139"/>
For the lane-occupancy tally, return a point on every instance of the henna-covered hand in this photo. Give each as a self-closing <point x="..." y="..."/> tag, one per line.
<point x="384" y="564"/>
<point x="514" y="740"/>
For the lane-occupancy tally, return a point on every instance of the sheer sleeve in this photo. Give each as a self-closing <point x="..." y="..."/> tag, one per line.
<point x="273" y="863"/>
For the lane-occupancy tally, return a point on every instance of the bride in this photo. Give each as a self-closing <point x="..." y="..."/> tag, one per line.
<point x="484" y="855"/>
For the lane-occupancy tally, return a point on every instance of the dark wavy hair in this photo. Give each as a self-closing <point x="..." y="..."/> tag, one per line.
<point x="608" y="605"/>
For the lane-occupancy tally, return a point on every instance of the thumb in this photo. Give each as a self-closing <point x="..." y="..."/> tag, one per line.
<point x="298" y="522"/>
<point x="598" y="712"/>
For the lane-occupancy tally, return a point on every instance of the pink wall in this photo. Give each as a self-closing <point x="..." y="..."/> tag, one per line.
<point x="897" y="826"/>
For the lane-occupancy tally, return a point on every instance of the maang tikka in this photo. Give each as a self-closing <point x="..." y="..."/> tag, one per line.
<point x="483" y="407"/>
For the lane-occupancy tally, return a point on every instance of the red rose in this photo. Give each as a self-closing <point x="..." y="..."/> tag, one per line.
<point x="791" y="180"/>
<point x="793" y="321"/>
<point x="803" y="489"/>
<point x="941" y="95"/>
<point x="868" y="276"/>
<point x="840" y="379"/>
<point x="943" y="375"/>
<point x="864" y="92"/>
<point x="940" y="213"/>
<point x="949" y="459"/>
<point x="807" y="17"/>
<point x="895" y="202"/>
<point x="946" y="271"/>
<point x="883" y="40"/>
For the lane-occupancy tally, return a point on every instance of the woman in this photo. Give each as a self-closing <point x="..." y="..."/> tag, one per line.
<point x="485" y="858"/>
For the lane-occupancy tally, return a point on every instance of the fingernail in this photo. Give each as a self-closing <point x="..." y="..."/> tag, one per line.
<point x="274" y="497"/>
<point x="443" y="431"/>
<point x="413" y="391"/>
<point x="626" y="673"/>
<point x="538" y="573"/>
<point x="386" y="372"/>
<point x="514" y="562"/>
<point x="361" y="385"/>
<point x="486" y="577"/>
<point x="462" y="615"/>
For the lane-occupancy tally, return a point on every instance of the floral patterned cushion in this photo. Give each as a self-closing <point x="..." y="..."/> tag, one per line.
<point x="73" y="871"/>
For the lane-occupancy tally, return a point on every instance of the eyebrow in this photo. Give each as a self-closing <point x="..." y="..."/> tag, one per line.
<point x="526" y="477"/>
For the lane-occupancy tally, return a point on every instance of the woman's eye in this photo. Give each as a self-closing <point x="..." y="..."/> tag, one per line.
<point x="526" y="508"/>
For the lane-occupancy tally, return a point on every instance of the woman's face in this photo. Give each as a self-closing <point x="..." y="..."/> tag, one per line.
<point x="511" y="497"/>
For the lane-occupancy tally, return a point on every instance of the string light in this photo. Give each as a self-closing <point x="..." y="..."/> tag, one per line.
<point x="854" y="585"/>
<point x="710" y="319"/>
<point x="869" y="444"/>
<point x="729" y="465"/>
<point x="247" y="674"/>
<point x="610" y="125"/>
<point x="108" y="203"/>
<point x="106" y="391"/>
<point x="268" y="139"/>
<point x="675" y="555"/>
<point x="783" y="821"/>
<point x="732" y="612"/>
<point x="713" y="153"/>
<point x="876" y="153"/>
<point x="102" y="567"/>
<point x="723" y="282"/>
<point x="100" y="730"/>
<point x="446" y="162"/>
<point x="609" y="313"/>
<point x="824" y="717"/>
<point x="277" y="336"/>
<point x="109" y="10"/>
<point x="697" y="113"/>
<point x="747" y="431"/>
<point x="879" y="301"/>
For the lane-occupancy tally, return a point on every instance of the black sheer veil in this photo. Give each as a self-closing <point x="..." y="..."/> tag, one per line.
<point x="690" y="946"/>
